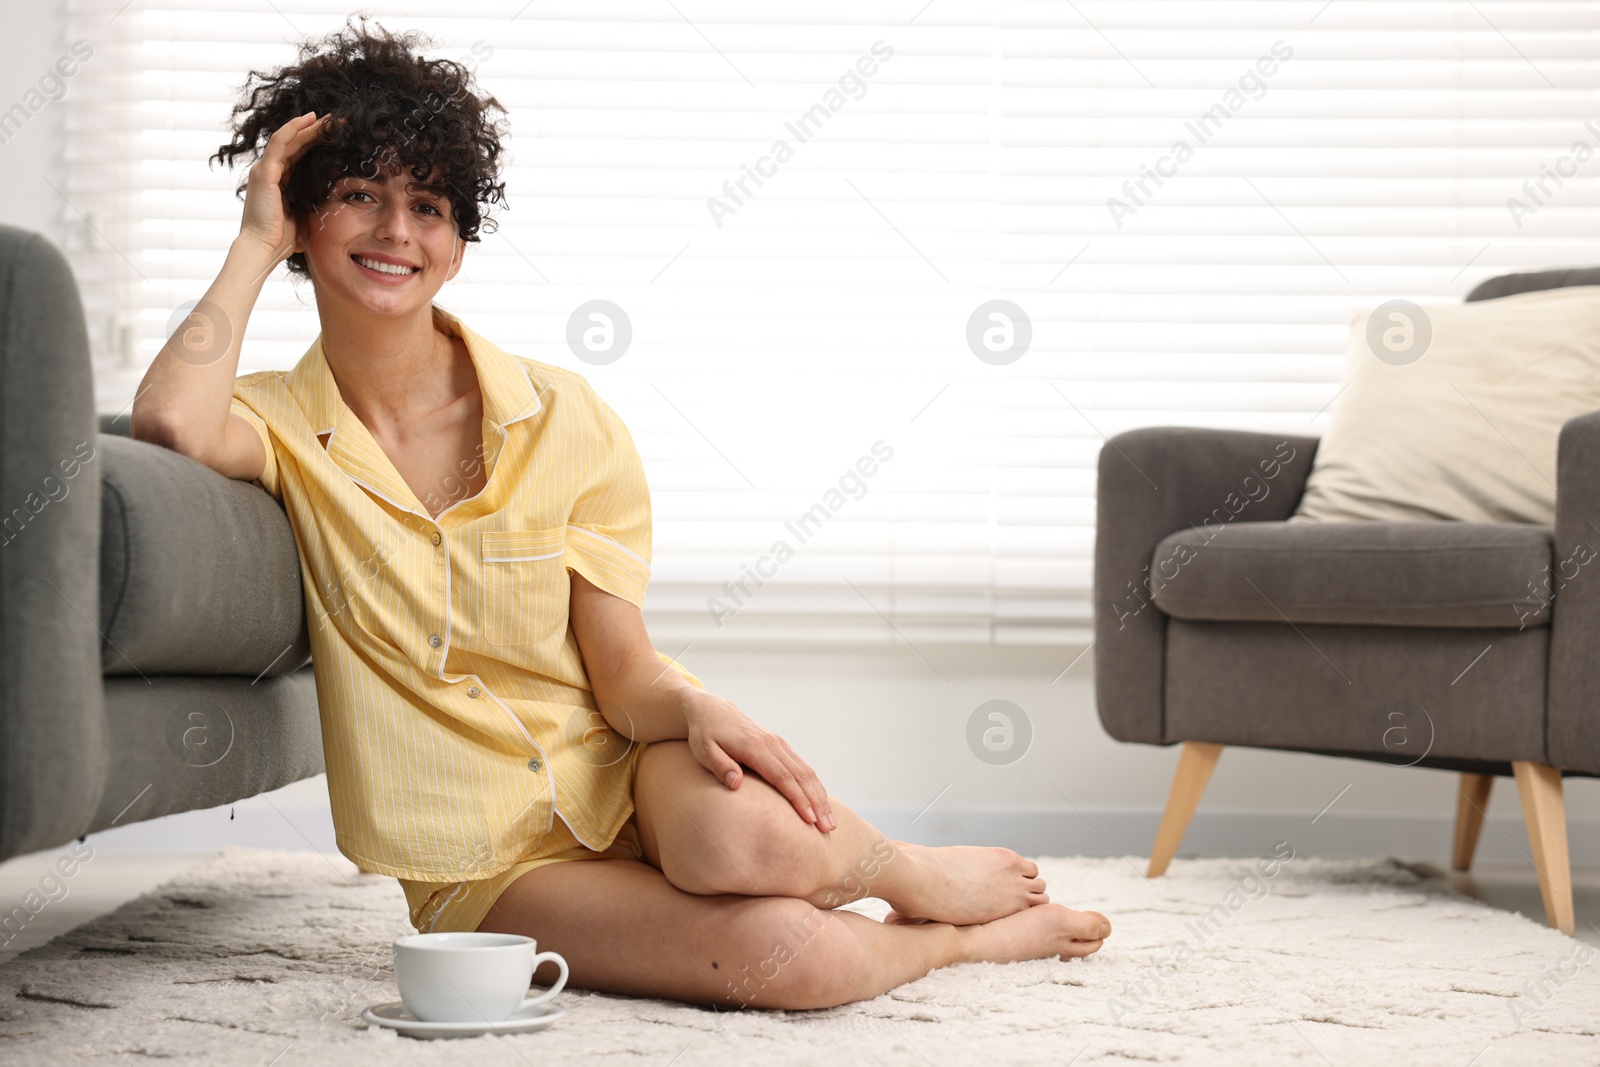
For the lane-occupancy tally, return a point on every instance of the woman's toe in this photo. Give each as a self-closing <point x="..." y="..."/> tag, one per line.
<point x="1089" y="926"/>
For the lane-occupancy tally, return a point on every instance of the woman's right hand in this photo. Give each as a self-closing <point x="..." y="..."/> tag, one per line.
<point x="267" y="219"/>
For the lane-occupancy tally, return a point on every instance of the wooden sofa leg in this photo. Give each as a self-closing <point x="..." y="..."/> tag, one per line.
<point x="1194" y="771"/>
<point x="1472" y="800"/>
<point x="1539" y="785"/>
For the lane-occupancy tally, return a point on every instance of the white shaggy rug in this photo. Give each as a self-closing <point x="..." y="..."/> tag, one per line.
<point x="267" y="958"/>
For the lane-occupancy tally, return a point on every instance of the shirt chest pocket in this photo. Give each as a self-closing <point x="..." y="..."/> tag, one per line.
<point x="525" y="585"/>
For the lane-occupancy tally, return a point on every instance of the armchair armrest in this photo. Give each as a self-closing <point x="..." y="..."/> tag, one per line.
<point x="56" y="743"/>
<point x="1573" y="591"/>
<point x="1154" y="482"/>
<point x="199" y="573"/>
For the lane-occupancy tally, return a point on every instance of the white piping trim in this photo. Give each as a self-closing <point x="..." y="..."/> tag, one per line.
<point x="513" y="716"/>
<point x="543" y="758"/>
<point x="529" y="415"/>
<point x="620" y="548"/>
<point x="455" y="890"/>
<point x="328" y="448"/>
<point x="381" y="496"/>
<point x="444" y="649"/>
<point x="457" y="504"/>
<point x="574" y="829"/>
<point x="384" y="496"/>
<point x="520" y="559"/>
<point x="538" y="402"/>
<point x="542" y="755"/>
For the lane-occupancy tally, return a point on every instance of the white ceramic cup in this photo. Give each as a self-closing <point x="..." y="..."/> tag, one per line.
<point x="469" y="977"/>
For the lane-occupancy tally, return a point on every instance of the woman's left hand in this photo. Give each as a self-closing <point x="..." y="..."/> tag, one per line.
<point x="722" y="737"/>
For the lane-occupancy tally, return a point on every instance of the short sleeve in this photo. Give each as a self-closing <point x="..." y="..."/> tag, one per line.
<point x="269" y="474"/>
<point x="688" y="675"/>
<point x="608" y="533"/>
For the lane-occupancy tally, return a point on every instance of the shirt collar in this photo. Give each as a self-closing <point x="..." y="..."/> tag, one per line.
<point x="508" y="394"/>
<point x="508" y="397"/>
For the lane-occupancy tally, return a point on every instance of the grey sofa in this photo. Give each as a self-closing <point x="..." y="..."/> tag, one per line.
<point x="154" y="656"/>
<point x="1459" y="646"/>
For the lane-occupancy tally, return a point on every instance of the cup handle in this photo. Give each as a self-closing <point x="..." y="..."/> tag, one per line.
<point x="561" y="983"/>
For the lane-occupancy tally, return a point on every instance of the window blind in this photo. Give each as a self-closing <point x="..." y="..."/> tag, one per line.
<point x="807" y="213"/>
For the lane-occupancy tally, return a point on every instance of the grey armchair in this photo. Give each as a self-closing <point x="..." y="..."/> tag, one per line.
<point x="154" y="654"/>
<point x="1219" y="623"/>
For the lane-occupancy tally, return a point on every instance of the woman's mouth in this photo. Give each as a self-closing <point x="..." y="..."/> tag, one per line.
<point x="388" y="272"/>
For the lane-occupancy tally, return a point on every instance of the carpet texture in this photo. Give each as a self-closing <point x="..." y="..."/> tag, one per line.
<point x="265" y="957"/>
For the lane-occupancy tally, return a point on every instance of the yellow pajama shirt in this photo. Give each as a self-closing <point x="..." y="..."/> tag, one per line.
<point x="462" y="741"/>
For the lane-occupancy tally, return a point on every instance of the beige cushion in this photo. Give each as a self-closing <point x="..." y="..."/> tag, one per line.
<point x="1467" y="430"/>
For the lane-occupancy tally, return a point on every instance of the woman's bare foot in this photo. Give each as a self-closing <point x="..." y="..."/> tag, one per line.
<point x="1049" y="931"/>
<point x="961" y="885"/>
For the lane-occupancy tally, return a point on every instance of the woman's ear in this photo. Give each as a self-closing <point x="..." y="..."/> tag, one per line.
<point x="457" y="259"/>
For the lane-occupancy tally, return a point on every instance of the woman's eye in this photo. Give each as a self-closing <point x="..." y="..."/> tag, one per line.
<point x="363" y="192"/>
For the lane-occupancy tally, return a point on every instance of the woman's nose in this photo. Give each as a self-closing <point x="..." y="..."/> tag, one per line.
<point x="393" y="222"/>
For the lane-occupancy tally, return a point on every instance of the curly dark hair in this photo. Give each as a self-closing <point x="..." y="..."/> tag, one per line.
<point x="397" y="110"/>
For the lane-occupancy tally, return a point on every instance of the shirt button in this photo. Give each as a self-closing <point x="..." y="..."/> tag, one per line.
<point x="472" y="691"/>
<point x="436" y="537"/>
<point x="433" y="639"/>
<point x="535" y="764"/>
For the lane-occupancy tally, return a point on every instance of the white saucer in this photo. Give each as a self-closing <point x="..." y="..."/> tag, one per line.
<point x="395" y="1015"/>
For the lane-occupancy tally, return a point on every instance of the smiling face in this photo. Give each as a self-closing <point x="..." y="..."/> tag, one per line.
<point x="374" y="247"/>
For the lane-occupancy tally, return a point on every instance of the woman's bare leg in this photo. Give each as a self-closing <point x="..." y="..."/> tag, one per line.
<point x="623" y="928"/>
<point x="707" y="838"/>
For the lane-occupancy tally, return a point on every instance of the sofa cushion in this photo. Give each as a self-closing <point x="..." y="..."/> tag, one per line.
<point x="1375" y="573"/>
<point x="1404" y="695"/>
<point x="199" y="572"/>
<point x="193" y="741"/>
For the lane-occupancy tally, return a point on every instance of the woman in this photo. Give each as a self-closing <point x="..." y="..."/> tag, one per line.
<point x="474" y="533"/>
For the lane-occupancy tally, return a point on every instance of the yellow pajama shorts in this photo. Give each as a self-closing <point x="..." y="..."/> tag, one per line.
<point x="453" y="907"/>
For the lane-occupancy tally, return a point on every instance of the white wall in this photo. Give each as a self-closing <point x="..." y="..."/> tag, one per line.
<point x="35" y="35"/>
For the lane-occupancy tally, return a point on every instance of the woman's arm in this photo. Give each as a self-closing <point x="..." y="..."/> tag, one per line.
<point x="183" y="401"/>
<point x="646" y="700"/>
